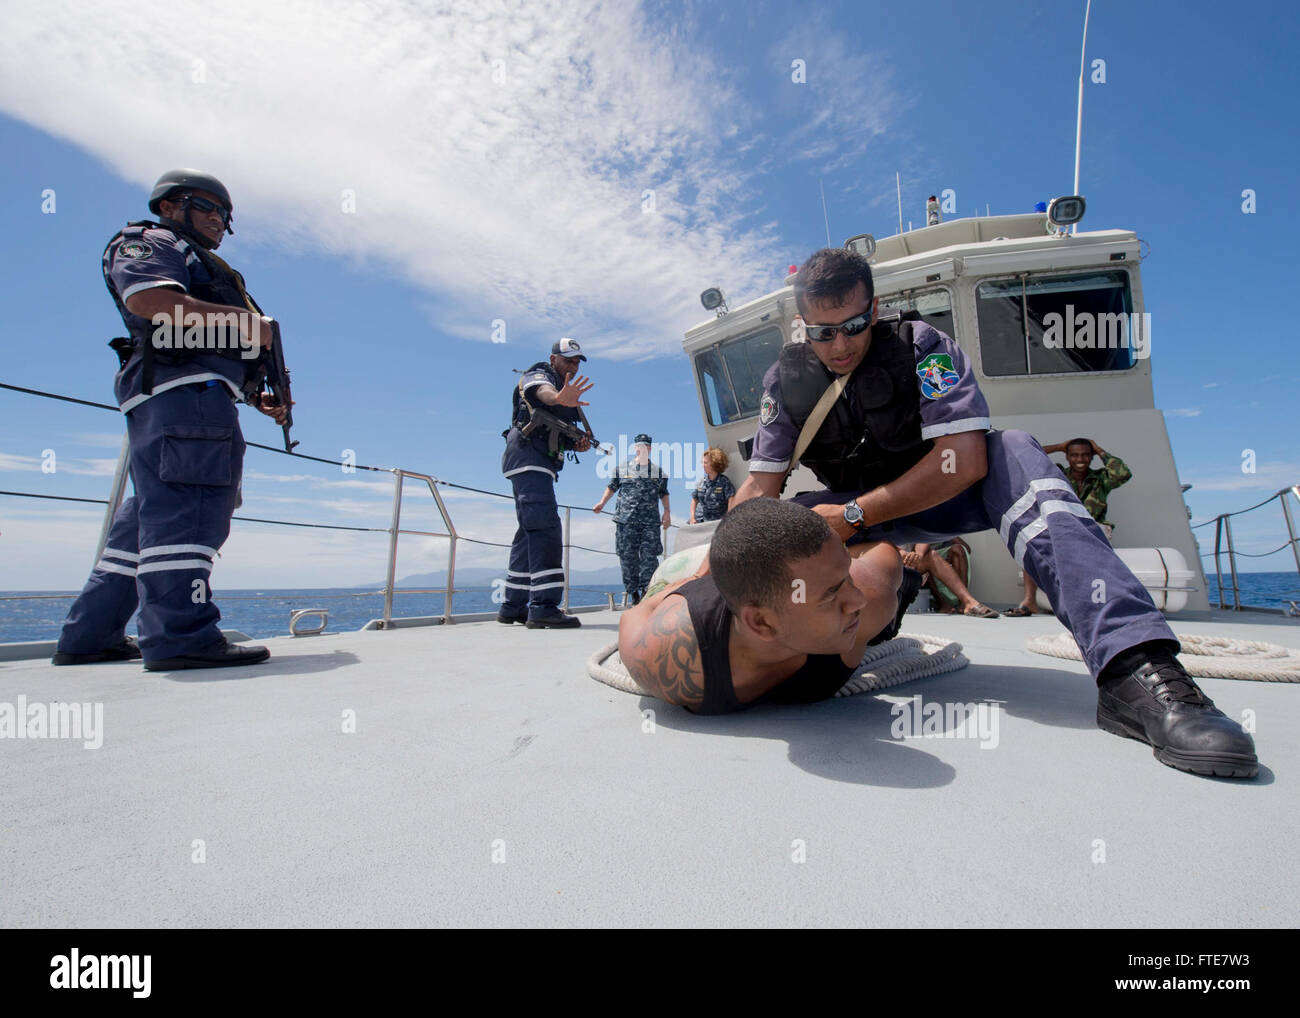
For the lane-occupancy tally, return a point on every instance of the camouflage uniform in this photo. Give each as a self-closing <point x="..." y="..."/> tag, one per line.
<point x="711" y="498"/>
<point x="636" y="521"/>
<point x="1096" y="486"/>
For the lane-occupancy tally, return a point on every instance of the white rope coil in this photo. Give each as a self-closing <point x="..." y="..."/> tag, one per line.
<point x="605" y="666"/>
<point x="906" y="657"/>
<point x="1209" y="657"/>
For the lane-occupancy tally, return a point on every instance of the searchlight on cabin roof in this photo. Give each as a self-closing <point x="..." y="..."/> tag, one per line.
<point x="863" y="244"/>
<point x="713" y="300"/>
<point x="1066" y="211"/>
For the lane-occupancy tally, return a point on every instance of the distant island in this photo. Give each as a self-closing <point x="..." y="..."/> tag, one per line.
<point x="481" y="577"/>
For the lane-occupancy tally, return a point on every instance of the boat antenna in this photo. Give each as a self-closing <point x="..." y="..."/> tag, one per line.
<point x="825" y="217"/>
<point x="899" y="184"/>
<point x="1078" y="128"/>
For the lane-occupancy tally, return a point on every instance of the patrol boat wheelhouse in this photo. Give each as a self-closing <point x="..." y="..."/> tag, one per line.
<point x="1010" y="290"/>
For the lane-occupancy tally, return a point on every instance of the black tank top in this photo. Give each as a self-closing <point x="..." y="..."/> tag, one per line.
<point x="820" y="678"/>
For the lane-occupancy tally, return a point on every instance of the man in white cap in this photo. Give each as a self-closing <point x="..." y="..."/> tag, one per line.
<point x="546" y="405"/>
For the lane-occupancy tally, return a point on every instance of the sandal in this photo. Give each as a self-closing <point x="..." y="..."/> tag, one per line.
<point x="1018" y="612"/>
<point x="981" y="611"/>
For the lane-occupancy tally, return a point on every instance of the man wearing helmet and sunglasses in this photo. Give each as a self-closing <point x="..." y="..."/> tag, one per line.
<point x="194" y="333"/>
<point x="907" y="453"/>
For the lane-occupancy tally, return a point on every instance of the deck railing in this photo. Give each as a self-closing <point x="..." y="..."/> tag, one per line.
<point x="117" y="491"/>
<point x="1223" y="536"/>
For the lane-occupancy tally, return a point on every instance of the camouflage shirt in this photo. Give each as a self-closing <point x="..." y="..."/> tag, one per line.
<point x="639" y="490"/>
<point x="712" y="496"/>
<point x="1097" y="485"/>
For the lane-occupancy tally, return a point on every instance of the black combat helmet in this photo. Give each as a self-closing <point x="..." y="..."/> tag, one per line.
<point x="189" y="180"/>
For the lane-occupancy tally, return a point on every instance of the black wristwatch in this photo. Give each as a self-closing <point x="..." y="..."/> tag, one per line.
<point x="853" y="515"/>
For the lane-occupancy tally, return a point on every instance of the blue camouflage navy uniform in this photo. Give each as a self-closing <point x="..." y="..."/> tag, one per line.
<point x="637" y="521"/>
<point x="1024" y="496"/>
<point x="712" y="495"/>
<point x="535" y="583"/>
<point x="186" y="463"/>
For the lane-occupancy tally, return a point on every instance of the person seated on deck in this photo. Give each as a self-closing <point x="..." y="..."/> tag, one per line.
<point x="779" y="611"/>
<point x="946" y="568"/>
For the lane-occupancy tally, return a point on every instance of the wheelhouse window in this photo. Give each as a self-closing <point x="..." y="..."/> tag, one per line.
<point x="934" y="306"/>
<point x="731" y="374"/>
<point x="1036" y="325"/>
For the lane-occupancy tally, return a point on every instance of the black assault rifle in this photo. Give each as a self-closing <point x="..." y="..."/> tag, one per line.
<point x="557" y="429"/>
<point x="268" y="370"/>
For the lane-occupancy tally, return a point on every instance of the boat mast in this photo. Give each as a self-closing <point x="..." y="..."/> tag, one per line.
<point x="898" y="183"/>
<point x="1078" y="128"/>
<point x="825" y="217"/>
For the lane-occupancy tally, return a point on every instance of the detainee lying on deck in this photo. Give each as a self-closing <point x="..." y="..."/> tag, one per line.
<point x="779" y="611"/>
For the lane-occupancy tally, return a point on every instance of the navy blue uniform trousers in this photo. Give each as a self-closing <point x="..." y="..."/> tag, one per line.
<point x="187" y="456"/>
<point x="1027" y="500"/>
<point x="535" y="582"/>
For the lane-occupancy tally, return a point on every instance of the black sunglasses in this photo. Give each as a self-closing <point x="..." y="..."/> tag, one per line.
<point x="825" y="333"/>
<point x="204" y="205"/>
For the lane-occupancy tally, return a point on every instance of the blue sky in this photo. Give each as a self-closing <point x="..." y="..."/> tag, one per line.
<point x="499" y="157"/>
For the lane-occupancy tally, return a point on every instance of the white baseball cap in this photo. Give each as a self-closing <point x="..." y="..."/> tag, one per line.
<point x="567" y="347"/>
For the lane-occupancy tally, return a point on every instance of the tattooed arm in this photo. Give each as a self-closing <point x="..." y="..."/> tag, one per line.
<point x="657" y="644"/>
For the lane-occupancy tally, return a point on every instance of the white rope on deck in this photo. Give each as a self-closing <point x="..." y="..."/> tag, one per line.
<point x="1210" y="657"/>
<point x="906" y="657"/>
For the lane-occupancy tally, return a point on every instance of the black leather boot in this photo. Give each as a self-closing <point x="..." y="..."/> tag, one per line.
<point x="220" y="655"/>
<point x="127" y="650"/>
<point x="1155" y="701"/>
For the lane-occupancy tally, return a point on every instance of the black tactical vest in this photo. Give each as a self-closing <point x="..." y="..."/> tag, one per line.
<point x="226" y="286"/>
<point x="520" y="415"/>
<point x="873" y="433"/>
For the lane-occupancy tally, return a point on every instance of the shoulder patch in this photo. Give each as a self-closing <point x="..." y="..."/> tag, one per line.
<point x="937" y="375"/>
<point x="768" y="409"/>
<point x="135" y="249"/>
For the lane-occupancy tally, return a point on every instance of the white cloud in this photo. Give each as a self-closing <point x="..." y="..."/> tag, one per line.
<point x="498" y="154"/>
<point x="383" y="489"/>
<point x="848" y="95"/>
<point x="1267" y="477"/>
<point x="8" y="461"/>
<point x="61" y="465"/>
<point x="1193" y="411"/>
<point x="98" y="439"/>
<point x="254" y="475"/>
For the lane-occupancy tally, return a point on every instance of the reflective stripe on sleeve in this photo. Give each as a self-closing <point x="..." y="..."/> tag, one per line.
<point x="956" y="427"/>
<point x="150" y="284"/>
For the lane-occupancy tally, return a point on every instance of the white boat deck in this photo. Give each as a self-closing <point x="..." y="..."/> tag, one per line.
<point x="477" y="738"/>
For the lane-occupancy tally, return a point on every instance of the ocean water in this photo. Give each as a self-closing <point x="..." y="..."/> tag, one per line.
<point x="38" y="615"/>
<point x="28" y="615"/>
<point x="1262" y="590"/>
